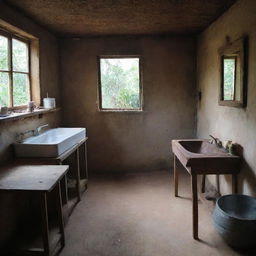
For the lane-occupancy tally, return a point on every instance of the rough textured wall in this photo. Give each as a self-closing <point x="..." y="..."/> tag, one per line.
<point x="236" y="124"/>
<point x="49" y="80"/>
<point x="128" y="141"/>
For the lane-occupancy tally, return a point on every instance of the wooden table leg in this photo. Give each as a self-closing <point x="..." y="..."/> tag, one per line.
<point x="78" y="188"/>
<point x="176" y="177"/>
<point x="234" y="183"/>
<point x="45" y="225"/>
<point x="195" y="205"/>
<point x="86" y="160"/>
<point x="203" y="183"/>
<point x="65" y="189"/>
<point x="60" y="214"/>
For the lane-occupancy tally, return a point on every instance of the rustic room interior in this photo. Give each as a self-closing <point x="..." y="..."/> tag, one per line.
<point x="127" y="128"/>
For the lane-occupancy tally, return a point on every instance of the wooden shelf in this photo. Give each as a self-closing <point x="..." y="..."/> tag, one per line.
<point x="17" y="116"/>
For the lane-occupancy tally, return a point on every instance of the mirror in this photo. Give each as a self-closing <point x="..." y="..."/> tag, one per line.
<point x="233" y="75"/>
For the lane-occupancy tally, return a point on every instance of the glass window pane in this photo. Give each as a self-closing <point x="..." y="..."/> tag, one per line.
<point x="3" y="53"/>
<point x="19" y="56"/>
<point x="4" y="89"/>
<point x="20" y="89"/>
<point x="229" y="78"/>
<point x="120" y="83"/>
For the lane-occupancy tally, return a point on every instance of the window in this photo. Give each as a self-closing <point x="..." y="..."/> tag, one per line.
<point x="120" y="83"/>
<point x="233" y="73"/>
<point x="14" y="71"/>
<point x="229" y="71"/>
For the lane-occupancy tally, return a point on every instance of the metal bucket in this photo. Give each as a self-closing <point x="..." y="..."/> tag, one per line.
<point x="234" y="217"/>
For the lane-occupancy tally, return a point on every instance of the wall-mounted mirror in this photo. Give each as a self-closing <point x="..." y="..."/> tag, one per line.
<point x="233" y="74"/>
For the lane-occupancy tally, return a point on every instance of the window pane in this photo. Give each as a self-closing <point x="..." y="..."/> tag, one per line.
<point x="19" y="56"/>
<point x="4" y="89"/>
<point x="120" y="83"/>
<point x="3" y="53"/>
<point x="20" y="89"/>
<point x="229" y="78"/>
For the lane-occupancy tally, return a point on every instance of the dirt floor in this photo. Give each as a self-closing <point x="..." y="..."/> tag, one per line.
<point x="138" y="215"/>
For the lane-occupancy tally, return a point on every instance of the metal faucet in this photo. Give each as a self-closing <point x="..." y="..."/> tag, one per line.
<point x="35" y="132"/>
<point x="38" y="129"/>
<point x="215" y="141"/>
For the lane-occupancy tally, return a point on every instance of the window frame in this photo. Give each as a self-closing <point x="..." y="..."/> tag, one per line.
<point x="238" y="49"/>
<point x="99" y="103"/>
<point x="10" y="71"/>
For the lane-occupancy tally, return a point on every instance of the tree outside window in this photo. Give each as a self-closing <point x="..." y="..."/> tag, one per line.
<point x="14" y="71"/>
<point x="120" y="83"/>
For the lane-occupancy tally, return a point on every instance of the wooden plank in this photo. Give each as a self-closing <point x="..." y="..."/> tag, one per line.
<point x="203" y="183"/>
<point x="234" y="184"/>
<point x="64" y="189"/>
<point x="86" y="160"/>
<point x="22" y="115"/>
<point x="60" y="214"/>
<point x="45" y="224"/>
<point x="78" y="175"/>
<point x="31" y="177"/>
<point x="176" y="177"/>
<point x="195" y="205"/>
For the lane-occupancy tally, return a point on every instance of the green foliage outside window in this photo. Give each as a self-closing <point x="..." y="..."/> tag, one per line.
<point x="19" y="73"/>
<point x="120" y="83"/>
<point x="229" y="78"/>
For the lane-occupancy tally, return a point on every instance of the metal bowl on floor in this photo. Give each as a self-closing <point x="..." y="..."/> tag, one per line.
<point x="234" y="217"/>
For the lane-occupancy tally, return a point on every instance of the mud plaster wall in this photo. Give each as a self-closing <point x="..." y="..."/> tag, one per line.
<point x="234" y="124"/>
<point x="131" y="141"/>
<point x="49" y="80"/>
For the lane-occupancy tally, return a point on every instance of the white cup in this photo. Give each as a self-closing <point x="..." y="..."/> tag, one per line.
<point x="49" y="103"/>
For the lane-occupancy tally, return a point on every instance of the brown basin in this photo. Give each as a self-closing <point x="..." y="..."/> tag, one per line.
<point x="203" y="157"/>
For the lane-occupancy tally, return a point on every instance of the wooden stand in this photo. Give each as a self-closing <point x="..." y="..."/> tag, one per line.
<point x="193" y="174"/>
<point x="77" y="177"/>
<point x="38" y="181"/>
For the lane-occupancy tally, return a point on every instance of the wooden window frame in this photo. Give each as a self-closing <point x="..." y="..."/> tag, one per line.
<point x="10" y="36"/>
<point x="238" y="50"/>
<point x="100" y="108"/>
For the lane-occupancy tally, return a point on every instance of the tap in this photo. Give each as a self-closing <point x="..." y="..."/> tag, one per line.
<point x="215" y="141"/>
<point x="38" y="129"/>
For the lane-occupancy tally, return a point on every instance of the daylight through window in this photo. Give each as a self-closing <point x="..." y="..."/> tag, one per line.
<point x="14" y="71"/>
<point x="229" y="70"/>
<point x="120" y="83"/>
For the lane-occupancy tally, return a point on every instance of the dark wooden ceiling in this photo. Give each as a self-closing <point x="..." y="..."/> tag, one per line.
<point x="123" y="17"/>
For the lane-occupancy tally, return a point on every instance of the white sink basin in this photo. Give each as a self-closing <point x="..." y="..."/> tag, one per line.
<point x="51" y="143"/>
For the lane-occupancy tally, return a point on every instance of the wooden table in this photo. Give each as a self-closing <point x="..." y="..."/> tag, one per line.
<point x="194" y="173"/>
<point x="38" y="180"/>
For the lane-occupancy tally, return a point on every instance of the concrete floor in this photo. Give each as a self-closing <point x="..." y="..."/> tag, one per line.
<point x="138" y="215"/>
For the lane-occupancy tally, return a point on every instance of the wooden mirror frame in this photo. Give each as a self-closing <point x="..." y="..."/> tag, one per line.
<point x="237" y="50"/>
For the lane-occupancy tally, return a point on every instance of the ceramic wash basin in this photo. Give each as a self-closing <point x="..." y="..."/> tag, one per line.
<point x="202" y="156"/>
<point x="51" y="143"/>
